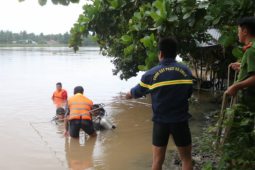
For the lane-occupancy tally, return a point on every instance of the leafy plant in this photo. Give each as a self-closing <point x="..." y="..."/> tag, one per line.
<point x="239" y="150"/>
<point x="192" y="101"/>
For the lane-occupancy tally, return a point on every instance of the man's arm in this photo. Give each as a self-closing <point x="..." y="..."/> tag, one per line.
<point x="232" y="90"/>
<point x="64" y="96"/>
<point x="250" y="61"/>
<point x="52" y="96"/>
<point x="140" y="89"/>
<point x="190" y="91"/>
<point x="128" y="95"/>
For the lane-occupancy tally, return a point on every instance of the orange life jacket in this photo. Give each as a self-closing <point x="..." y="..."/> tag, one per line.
<point x="58" y="94"/>
<point x="79" y="106"/>
<point x="59" y="103"/>
<point x="79" y="164"/>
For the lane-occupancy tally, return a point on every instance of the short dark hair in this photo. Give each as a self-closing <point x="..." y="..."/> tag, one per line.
<point x="78" y="89"/>
<point x="168" y="47"/>
<point x="247" y="23"/>
<point x="59" y="84"/>
<point x="60" y="109"/>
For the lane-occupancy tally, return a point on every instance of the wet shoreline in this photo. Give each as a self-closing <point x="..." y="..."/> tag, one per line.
<point x="199" y="159"/>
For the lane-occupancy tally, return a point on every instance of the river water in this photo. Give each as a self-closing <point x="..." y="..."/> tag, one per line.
<point x="27" y="82"/>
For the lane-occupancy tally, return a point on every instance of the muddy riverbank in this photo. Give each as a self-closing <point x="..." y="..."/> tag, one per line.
<point x="199" y="159"/>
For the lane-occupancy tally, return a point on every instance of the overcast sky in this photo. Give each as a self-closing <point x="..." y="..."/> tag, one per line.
<point x="18" y="16"/>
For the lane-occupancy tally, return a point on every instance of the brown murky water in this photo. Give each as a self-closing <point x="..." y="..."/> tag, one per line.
<point x="27" y="81"/>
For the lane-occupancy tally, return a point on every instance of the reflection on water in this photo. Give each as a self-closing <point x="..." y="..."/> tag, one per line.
<point x="78" y="156"/>
<point x="59" y="103"/>
<point x="28" y="77"/>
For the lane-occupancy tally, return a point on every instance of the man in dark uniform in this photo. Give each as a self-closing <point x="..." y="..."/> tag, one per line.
<point x="245" y="84"/>
<point x="170" y="86"/>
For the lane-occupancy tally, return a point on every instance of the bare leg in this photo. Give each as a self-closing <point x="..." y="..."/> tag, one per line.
<point x="158" y="157"/>
<point x="185" y="154"/>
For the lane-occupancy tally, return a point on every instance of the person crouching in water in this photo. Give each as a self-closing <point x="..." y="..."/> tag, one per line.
<point x="77" y="115"/>
<point x="60" y="115"/>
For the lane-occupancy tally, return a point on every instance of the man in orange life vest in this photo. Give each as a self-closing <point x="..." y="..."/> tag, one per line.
<point x="59" y="94"/>
<point x="77" y="115"/>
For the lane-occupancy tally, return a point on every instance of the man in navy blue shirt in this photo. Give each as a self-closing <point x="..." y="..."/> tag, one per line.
<point x="170" y="86"/>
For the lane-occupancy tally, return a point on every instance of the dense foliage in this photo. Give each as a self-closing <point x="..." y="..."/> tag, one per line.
<point x="239" y="150"/>
<point x="128" y="31"/>
<point x="6" y="37"/>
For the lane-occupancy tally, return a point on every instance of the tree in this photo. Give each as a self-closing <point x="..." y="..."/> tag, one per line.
<point x="7" y="36"/>
<point x="56" y="2"/>
<point x="128" y="31"/>
<point x="23" y="34"/>
<point x="67" y="36"/>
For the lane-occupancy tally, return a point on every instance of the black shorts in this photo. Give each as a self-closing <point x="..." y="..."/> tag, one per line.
<point x="179" y="131"/>
<point x="76" y="124"/>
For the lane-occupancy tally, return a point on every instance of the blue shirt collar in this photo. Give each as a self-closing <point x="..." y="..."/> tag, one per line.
<point x="167" y="61"/>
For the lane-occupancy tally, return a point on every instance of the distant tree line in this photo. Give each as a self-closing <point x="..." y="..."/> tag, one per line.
<point x="6" y="37"/>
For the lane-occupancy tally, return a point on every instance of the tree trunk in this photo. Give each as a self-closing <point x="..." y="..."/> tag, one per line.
<point x="198" y="80"/>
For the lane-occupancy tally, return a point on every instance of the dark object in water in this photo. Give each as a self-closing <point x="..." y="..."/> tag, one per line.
<point x="206" y="84"/>
<point x="100" y="111"/>
<point x="101" y="126"/>
<point x="100" y="122"/>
